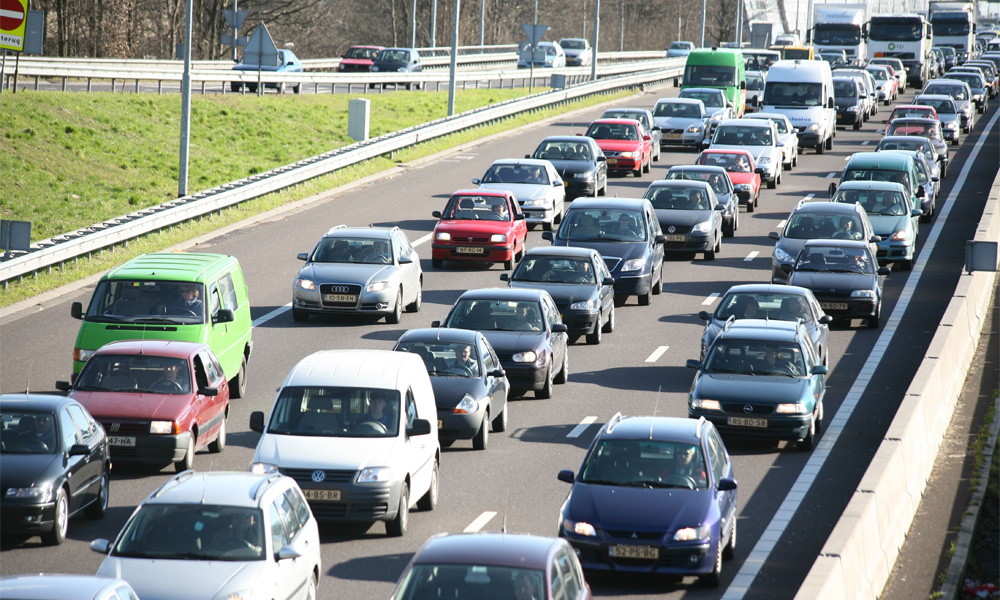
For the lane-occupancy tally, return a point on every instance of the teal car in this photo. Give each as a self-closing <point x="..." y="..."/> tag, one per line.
<point x="761" y="378"/>
<point x="892" y="216"/>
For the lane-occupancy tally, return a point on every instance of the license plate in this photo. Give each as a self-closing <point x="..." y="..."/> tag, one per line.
<point x="121" y="440"/>
<point x="647" y="552"/>
<point x="612" y="161"/>
<point x="672" y="136"/>
<point x="676" y="238"/>
<point x="440" y="424"/>
<point x="833" y="305"/>
<point x="746" y="422"/>
<point x="328" y="495"/>
<point x="467" y="250"/>
<point x="339" y="298"/>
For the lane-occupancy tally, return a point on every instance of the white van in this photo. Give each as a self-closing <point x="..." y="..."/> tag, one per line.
<point x="802" y="90"/>
<point x="357" y="429"/>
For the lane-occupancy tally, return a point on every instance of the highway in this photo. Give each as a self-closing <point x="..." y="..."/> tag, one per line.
<point x="638" y="369"/>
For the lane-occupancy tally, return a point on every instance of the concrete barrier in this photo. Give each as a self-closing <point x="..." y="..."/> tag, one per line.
<point x="862" y="548"/>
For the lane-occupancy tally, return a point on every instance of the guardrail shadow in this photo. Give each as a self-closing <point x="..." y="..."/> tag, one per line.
<point x="638" y="379"/>
<point x="383" y="568"/>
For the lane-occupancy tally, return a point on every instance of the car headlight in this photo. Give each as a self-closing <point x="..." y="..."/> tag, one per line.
<point x="791" y="408"/>
<point x="862" y="294"/>
<point x="951" y="125"/>
<point x="852" y="108"/>
<point x="627" y="154"/>
<point x="525" y="357"/>
<point x="376" y="286"/>
<point x="634" y="264"/>
<point x="305" y="284"/>
<point x="260" y="468"/>
<point x="39" y="494"/>
<point x="375" y="68"/>
<point x="584" y="176"/>
<point x="813" y="127"/>
<point x="717" y="117"/>
<point x="690" y="534"/>
<point x="694" y="128"/>
<point x="900" y="236"/>
<point x="579" y="528"/>
<point x="782" y="256"/>
<point x="468" y="404"/>
<point x="541" y="201"/>
<point x="340" y="67"/>
<point x="705" y="404"/>
<point x="443" y="236"/>
<point x="246" y="594"/>
<point x="587" y="305"/>
<point x="703" y="227"/>
<point x="375" y="475"/>
<point x="161" y="427"/>
<point x="977" y="97"/>
<point x="764" y="160"/>
<point x="82" y="355"/>
<point x="498" y="237"/>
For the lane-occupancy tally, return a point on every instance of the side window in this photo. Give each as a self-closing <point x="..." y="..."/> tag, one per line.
<point x="411" y="409"/>
<point x="294" y="498"/>
<point x="228" y="292"/>
<point x="68" y="430"/>
<point x="84" y="424"/>
<point x="200" y="374"/>
<point x="717" y="453"/>
<point x="487" y="357"/>
<point x="555" y="582"/>
<point x="397" y="247"/>
<point x="551" y="312"/>
<point x="216" y="300"/>
<point x="288" y="516"/>
<point x="571" y="587"/>
<point x="279" y="537"/>
<point x="123" y="593"/>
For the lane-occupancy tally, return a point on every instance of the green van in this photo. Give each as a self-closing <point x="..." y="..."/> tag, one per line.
<point x="190" y="297"/>
<point x="722" y="68"/>
<point x="885" y="166"/>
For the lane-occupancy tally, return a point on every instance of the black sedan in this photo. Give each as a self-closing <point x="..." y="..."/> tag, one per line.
<point x="579" y="161"/>
<point x="690" y="216"/>
<point x="470" y="388"/>
<point x="844" y="276"/>
<point x="54" y="463"/>
<point x="525" y="329"/>
<point x="579" y="282"/>
<point x="721" y="185"/>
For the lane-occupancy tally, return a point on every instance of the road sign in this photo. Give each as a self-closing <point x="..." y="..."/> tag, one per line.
<point x="12" y="22"/>
<point x="234" y="18"/>
<point x="260" y="50"/>
<point x="534" y="32"/>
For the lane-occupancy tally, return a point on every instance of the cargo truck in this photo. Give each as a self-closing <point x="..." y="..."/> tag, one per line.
<point x="839" y="27"/>
<point x="954" y="25"/>
<point x="907" y="37"/>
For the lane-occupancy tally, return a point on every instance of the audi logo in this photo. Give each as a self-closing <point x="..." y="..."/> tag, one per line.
<point x="747" y="408"/>
<point x="340" y="288"/>
<point x="318" y="476"/>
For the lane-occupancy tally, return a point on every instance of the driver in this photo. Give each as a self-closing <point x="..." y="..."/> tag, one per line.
<point x="463" y="359"/>
<point x="686" y="464"/>
<point x="42" y="431"/>
<point x="376" y="409"/>
<point x="169" y="380"/>
<point x="380" y="252"/>
<point x="190" y="299"/>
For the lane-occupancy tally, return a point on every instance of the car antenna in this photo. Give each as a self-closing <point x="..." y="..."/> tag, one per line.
<point x="27" y="382"/>
<point x="656" y="405"/>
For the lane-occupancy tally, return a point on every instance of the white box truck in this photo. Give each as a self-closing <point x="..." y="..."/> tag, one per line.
<point x="907" y="37"/>
<point x="954" y="25"/>
<point x="839" y="27"/>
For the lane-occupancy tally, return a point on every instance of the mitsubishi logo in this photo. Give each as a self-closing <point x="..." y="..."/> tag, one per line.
<point x="318" y="476"/>
<point x="339" y="288"/>
<point x="115" y="427"/>
<point x="747" y="408"/>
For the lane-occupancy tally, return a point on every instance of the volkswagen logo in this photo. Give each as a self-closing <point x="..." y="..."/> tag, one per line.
<point x="343" y="289"/>
<point x="747" y="408"/>
<point x="671" y="229"/>
<point x="319" y="476"/>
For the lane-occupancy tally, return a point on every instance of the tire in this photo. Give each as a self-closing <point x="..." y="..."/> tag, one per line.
<point x="886" y="102"/>
<point x="594" y="338"/>
<point x="809" y="442"/>
<point x="219" y="443"/>
<point x="610" y="325"/>
<point x="311" y="590"/>
<point x="730" y="230"/>
<point x="638" y="172"/>
<point x="99" y="507"/>
<point x="645" y="169"/>
<point x="819" y="148"/>
<point x="944" y="170"/>
<point x="906" y="265"/>
<point x="437" y="263"/>
<point x="430" y="500"/>
<point x="712" y="580"/>
<point x="873" y="322"/>
<point x="563" y="375"/>
<point x="658" y="286"/>
<point x="645" y="299"/>
<point x="396" y="315"/>
<point x="795" y="160"/>
<point x="238" y="386"/>
<point x="60" y="521"/>
<point x="508" y="264"/>
<point x="773" y="183"/>
<point x="751" y="204"/>
<point x="621" y="299"/>
<point x="730" y="550"/>
<point x="482" y="437"/>
<point x="235" y="87"/>
<point x="500" y="421"/>
<point x="829" y="143"/>
<point x="397" y="526"/>
<point x="298" y="315"/>
<point x="546" y="391"/>
<point x="187" y="462"/>
<point x="715" y="250"/>
<point x="414" y="306"/>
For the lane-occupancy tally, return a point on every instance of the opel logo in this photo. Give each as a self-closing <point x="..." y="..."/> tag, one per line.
<point x="671" y="229"/>
<point x="340" y="288"/>
<point x="747" y="408"/>
<point x="115" y="427"/>
<point x="319" y="476"/>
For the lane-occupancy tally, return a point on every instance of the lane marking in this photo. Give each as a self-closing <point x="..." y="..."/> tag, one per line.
<point x="781" y="224"/>
<point x="808" y="197"/>
<point x="758" y="557"/>
<point x="866" y="142"/>
<point x="480" y="522"/>
<point x="422" y="240"/>
<point x="274" y="313"/>
<point x="831" y="175"/>
<point x="657" y="354"/>
<point x="579" y="429"/>
<point x="711" y="298"/>
<point x="751" y="256"/>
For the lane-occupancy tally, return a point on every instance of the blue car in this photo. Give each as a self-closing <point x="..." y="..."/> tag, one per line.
<point x="653" y="495"/>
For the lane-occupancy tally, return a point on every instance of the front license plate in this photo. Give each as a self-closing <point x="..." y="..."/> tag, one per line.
<point x="745" y="422"/>
<point x="612" y="161"/>
<point x="440" y="424"/>
<point x="647" y="552"/>
<point x="339" y="298"/>
<point x="328" y="495"/>
<point x="833" y="305"/>
<point x="676" y="238"/>
<point x="672" y="136"/>
<point x="121" y="440"/>
<point x="467" y="250"/>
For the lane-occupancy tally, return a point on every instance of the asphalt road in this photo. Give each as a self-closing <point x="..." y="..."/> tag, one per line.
<point x="629" y="372"/>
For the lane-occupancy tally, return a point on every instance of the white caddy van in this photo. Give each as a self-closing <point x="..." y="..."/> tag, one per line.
<point x="353" y="461"/>
<point x="802" y="90"/>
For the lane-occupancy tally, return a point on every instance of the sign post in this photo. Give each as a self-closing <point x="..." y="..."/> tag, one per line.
<point x="234" y="18"/>
<point x="534" y="33"/>
<point x="261" y="49"/>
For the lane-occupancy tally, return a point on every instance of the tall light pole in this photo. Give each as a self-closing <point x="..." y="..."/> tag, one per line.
<point x="434" y="20"/>
<point x="182" y="172"/>
<point x="453" y="68"/>
<point x="584" y="36"/>
<point x="621" y="32"/>
<point x="597" y="32"/>
<point x="701" y="42"/>
<point x="413" y="25"/>
<point x="482" y="23"/>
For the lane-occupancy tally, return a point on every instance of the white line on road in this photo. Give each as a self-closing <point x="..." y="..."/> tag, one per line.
<point x="657" y="354"/>
<point x="422" y="240"/>
<point x="866" y="142"/>
<point x="831" y="175"/>
<point x="274" y="313"/>
<point x="579" y="429"/>
<point x="711" y="298"/>
<point x="480" y="522"/>
<point x="751" y="256"/>
<point x="781" y="224"/>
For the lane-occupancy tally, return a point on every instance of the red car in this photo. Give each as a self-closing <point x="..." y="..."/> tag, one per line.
<point x="358" y="59"/>
<point x="159" y="401"/>
<point x="909" y="110"/>
<point x="479" y="225"/>
<point x="742" y="170"/>
<point x="625" y="142"/>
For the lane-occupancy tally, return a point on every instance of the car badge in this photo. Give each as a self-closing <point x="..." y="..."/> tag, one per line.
<point x="747" y="408"/>
<point x="339" y="288"/>
<point x="671" y="229"/>
<point x="634" y="536"/>
<point x="319" y="476"/>
<point x="115" y="427"/>
<point x="470" y="239"/>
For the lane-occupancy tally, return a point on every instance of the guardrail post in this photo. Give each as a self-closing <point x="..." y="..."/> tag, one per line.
<point x="90" y="81"/>
<point x="64" y="84"/>
<point x="36" y="83"/>
<point x="136" y="86"/>
<point x="202" y="88"/>
<point x="159" y="86"/>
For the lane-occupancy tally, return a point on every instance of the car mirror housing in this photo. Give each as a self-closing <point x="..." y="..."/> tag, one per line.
<point x="726" y="484"/>
<point x="302" y="256"/>
<point x="287" y="552"/>
<point x="223" y="316"/>
<point x="476" y="180"/>
<point x="79" y="450"/>
<point x="63" y="386"/>
<point x="547" y="235"/>
<point x="875" y="239"/>
<point x="405" y="260"/>
<point x="504" y="277"/>
<point x="435" y="324"/>
<point x="693" y="364"/>
<point x="76" y="310"/>
<point x="704" y="315"/>
<point x="602" y="158"/>
<point x="826" y="320"/>
<point x="819" y="370"/>
<point x="498" y="373"/>
<point x="519" y="217"/>
<point x="420" y="427"/>
<point x="100" y="546"/>
<point x="559" y="328"/>
<point x="436" y="214"/>
<point x="566" y="475"/>
<point x="209" y="391"/>
<point x="832" y="189"/>
<point x="257" y="421"/>
<point x="883" y="270"/>
<point x="609" y="281"/>
<point x="774" y="235"/>
<point x="660" y="238"/>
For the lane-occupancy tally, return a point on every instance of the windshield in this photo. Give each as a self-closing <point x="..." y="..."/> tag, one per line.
<point x="899" y="30"/>
<point x="24" y="432"/>
<point x="137" y="373"/>
<point x="974" y="81"/>
<point x="564" y="151"/>
<point x="759" y="61"/>
<point x="806" y="226"/>
<point x="573" y="44"/>
<point x="477" y="208"/>
<point x="613" y="131"/>
<point x="642" y="117"/>
<point x="528" y="174"/>
<point x="496" y="315"/>
<point x="738" y="135"/>
<point x="678" y="198"/>
<point x="875" y="202"/>
<point x="709" y="99"/>
<point x="645" y="463"/>
<point x="754" y="305"/>
<point x="957" y="92"/>
<point x="426" y="581"/>
<point x="709" y="75"/>
<point x="445" y="359"/>
<point x="782" y="93"/>
<point x="833" y="259"/>
<point x="940" y="106"/>
<point x="602" y="225"/>
<point x="718" y="181"/>
<point x="755" y="82"/>
<point x="753" y="357"/>
<point x="135" y="301"/>
<point x="904" y="143"/>
<point x="329" y="411"/>
<point x="368" y="53"/>
<point x="845" y="89"/>
<point x="352" y="250"/>
<point x="555" y="270"/>
<point x="193" y="532"/>
<point x="677" y="109"/>
<point x="394" y="56"/>
<point x="828" y="34"/>
<point x="956" y="27"/>
<point x="734" y="163"/>
<point x="893" y="175"/>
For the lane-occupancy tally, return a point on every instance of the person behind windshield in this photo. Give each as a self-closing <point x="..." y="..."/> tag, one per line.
<point x="463" y="361"/>
<point x="847" y="231"/>
<point x="500" y="212"/>
<point x="534" y="175"/>
<point x="377" y="409"/>
<point x="170" y="380"/>
<point x="776" y="362"/>
<point x="190" y="300"/>
<point x="741" y="164"/>
<point x="686" y="464"/>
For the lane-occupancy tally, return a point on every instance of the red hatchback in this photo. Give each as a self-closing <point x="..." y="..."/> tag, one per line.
<point x="742" y="170"/>
<point x="358" y="59"/>
<point x="159" y="401"/>
<point x="625" y="142"/>
<point x="909" y="110"/>
<point x="479" y="225"/>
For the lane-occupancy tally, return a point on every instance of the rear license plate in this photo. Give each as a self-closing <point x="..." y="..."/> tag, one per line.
<point x="440" y="424"/>
<point x="121" y="440"/>
<point x="672" y="136"/>
<point x="612" y="161"/>
<point x="647" y="552"/>
<point x="467" y="250"/>
<point x="676" y="238"/>
<point x="339" y="298"/>
<point x="328" y="495"/>
<point x="833" y="305"/>
<point x="745" y="422"/>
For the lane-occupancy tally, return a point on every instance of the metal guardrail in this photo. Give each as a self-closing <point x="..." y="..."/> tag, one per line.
<point x="59" y="249"/>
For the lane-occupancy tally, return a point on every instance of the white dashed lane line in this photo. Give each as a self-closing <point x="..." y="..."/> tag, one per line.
<point x="579" y="429"/>
<point x="781" y="224"/>
<point x="480" y="522"/>
<point x="866" y="142"/>
<point x="422" y="240"/>
<point x="711" y="298"/>
<point x="751" y="256"/>
<point x="274" y="313"/>
<point x="657" y="354"/>
<point x="831" y="175"/>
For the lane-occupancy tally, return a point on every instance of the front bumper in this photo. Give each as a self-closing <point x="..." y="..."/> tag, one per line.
<point x="383" y="302"/>
<point x="842" y="307"/>
<point x="581" y="189"/>
<point x="632" y="285"/>
<point x="26" y="519"/>
<point x="149" y="448"/>
<point x="459" y="426"/>
<point x="525" y="376"/>
<point x="691" y="243"/>
<point x="624" y="164"/>
<point x="538" y="214"/>
<point x="579" y="322"/>
<point x="484" y="253"/>
<point x="778" y="427"/>
<point x="677" y="138"/>
<point x="358" y="502"/>
<point x="808" y="139"/>
<point x="848" y="118"/>
<point x="894" y="251"/>
<point x="676" y="559"/>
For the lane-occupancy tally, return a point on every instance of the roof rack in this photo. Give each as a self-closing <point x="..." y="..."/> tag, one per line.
<point x="175" y="480"/>
<point x="614" y="421"/>
<point x="335" y="228"/>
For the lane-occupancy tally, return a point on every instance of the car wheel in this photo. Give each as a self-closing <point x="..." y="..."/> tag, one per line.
<point x="873" y="322"/>
<point x="594" y="337"/>
<point x="430" y="500"/>
<point x="645" y="168"/>
<point x="730" y="550"/>
<point x="235" y="87"/>
<point x="563" y="375"/>
<point x="396" y="315"/>
<point x="829" y="143"/>
<point x="508" y="264"/>
<point x="500" y="421"/>
<point x="298" y="315"/>
<point x="716" y="249"/>
<point x="645" y="299"/>
<point x="658" y="286"/>
<point x="819" y="148"/>
<point x="610" y="325"/>
<point x="809" y="442"/>
<point x="238" y="386"/>
<point x="418" y="301"/>
<point x="729" y="229"/>
<point x="397" y="526"/>
<point x="252" y="88"/>
<point x="713" y="579"/>
<point x="787" y="166"/>
<point x="187" y="462"/>
<point x="944" y="170"/>
<point x="621" y="299"/>
<point x="311" y="590"/>
<point x="60" y="520"/>
<point x="751" y="204"/>
<point x="482" y="438"/>
<point x="857" y="125"/>
<point x="99" y="507"/>
<point x="795" y="160"/>
<point x="638" y="172"/>
<point x="437" y="263"/>
<point x="219" y="444"/>
<point x="546" y="391"/>
<point x="773" y="183"/>
<point x="954" y="142"/>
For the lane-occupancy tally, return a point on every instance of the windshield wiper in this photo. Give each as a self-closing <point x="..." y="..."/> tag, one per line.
<point x="156" y="320"/>
<point x="106" y="319"/>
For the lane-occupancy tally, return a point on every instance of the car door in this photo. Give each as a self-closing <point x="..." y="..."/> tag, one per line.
<point x="558" y="190"/>
<point x="408" y="265"/>
<point x="419" y="453"/>
<point x="655" y="248"/>
<point x="83" y="472"/>
<point x="210" y="410"/>
<point x="720" y="466"/>
<point x="222" y="337"/>
<point x="519" y="227"/>
<point x="280" y="578"/>
<point x="294" y="572"/>
<point x="606" y="293"/>
<point x="557" y="340"/>
<point x="497" y="387"/>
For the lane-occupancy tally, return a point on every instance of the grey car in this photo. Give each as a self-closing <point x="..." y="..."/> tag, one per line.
<point x="681" y="121"/>
<point x="363" y="270"/>
<point x="579" y="161"/>
<point x="977" y="85"/>
<point x="959" y="92"/>
<point x="924" y="145"/>
<point x="690" y="216"/>
<point x="929" y="179"/>
<point x="716" y="103"/>
<point x="645" y="117"/>
<point x="947" y="112"/>
<point x="722" y="185"/>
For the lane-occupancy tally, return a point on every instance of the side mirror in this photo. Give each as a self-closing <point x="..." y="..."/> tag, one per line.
<point x="223" y="316"/>
<point x="504" y="277"/>
<point x="76" y="310"/>
<point x="566" y="475"/>
<point x="527" y="156"/>
<point x="100" y="545"/>
<point x="302" y="256"/>
<point x="743" y="85"/>
<point x="646" y="137"/>
<point x="774" y="235"/>
<point x="916" y="212"/>
<point x="405" y="260"/>
<point x="547" y="235"/>
<point x="436" y="214"/>
<point x="209" y="391"/>
<point x="63" y="386"/>
<point x="519" y="217"/>
<point x="759" y="170"/>
<point x="720" y="207"/>
<point x="883" y="270"/>
<point x="660" y="238"/>
<point x="875" y="239"/>
<point x="602" y="158"/>
<point x="559" y="328"/>
<point x="726" y="484"/>
<point x="819" y="370"/>
<point x="79" y="450"/>
<point x="657" y="128"/>
<point x="287" y="552"/>
<point x="832" y="189"/>
<point x="826" y="319"/>
<point x="475" y="180"/>
<point x="704" y="315"/>
<point x="435" y="324"/>
<point x="920" y="192"/>
<point x="257" y="421"/>
<point x="420" y="427"/>
<point x="498" y="373"/>
<point x="608" y="281"/>
<point x="829" y="103"/>
<point x="693" y="364"/>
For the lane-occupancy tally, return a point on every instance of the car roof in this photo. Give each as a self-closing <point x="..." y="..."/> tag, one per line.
<point x="702" y="90"/>
<point x="857" y="244"/>
<point x="567" y="251"/>
<point x="168" y="266"/>
<point x="171" y="348"/>
<point x="362" y="368"/>
<point x="626" y="109"/>
<point x="504" y="293"/>
<point x="825" y="207"/>
<point x="905" y="138"/>
<point x="920" y="120"/>
<point x="728" y="151"/>
<point x="681" y="183"/>
<point x="768" y="288"/>
<point x="482" y="192"/>
<point x="697" y="169"/>
<point x="674" y="429"/>
<point x="614" y="121"/>
<point x="871" y="185"/>
<point x="758" y="123"/>
<point x="44" y="586"/>
<point x="932" y="97"/>
<point x="766" y="115"/>
<point x="762" y="329"/>
<point x="375" y="233"/>
<point x="876" y="160"/>
<point x="568" y="138"/>
<point x="231" y="488"/>
<point x="945" y="81"/>
<point x="499" y="549"/>
<point x="680" y="100"/>
<point x="33" y="402"/>
<point x="619" y="203"/>
<point x="440" y="334"/>
<point x="526" y="162"/>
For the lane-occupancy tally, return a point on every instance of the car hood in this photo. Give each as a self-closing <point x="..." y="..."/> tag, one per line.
<point x="563" y="293"/>
<point x="845" y="102"/>
<point x="622" y="250"/>
<point x="819" y="281"/>
<point x="677" y="122"/>
<point x="642" y="509"/>
<point x="620" y="145"/>
<point x="512" y="342"/>
<point x="390" y="65"/>
<point x="787" y="139"/>
<point x="522" y="191"/>
<point x="121" y="405"/>
<point x="756" y="151"/>
<point x="739" y="178"/>
<point x="449" y="391"/>
<point x="570" y="167"/>
<point x="357" y="62"/>
<point x="734" y="387"/>
<point x="27" y="470"/>
<point x="359" y="274"/>
<point x="685" y="218"/>
<point x="886" y="225"/>
<point x="459" y="228"/>
<point x="324" y="452"/>
<point x="200" y="579"/>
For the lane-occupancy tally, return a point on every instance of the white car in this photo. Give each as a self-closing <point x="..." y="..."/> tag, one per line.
<point x="787" y="134"/>
<point x="681" y="121"/>
<point x="535" y="183"/>
<point x="757" y="136"/>
<point x="51" y="585"/>
<point x="547" y="54"/>
<point x="578" y="52"/>
<point x="716" y="103"/>
<point x="680" y="48"/>
<point x="218" y="534"/>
